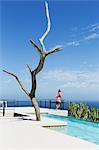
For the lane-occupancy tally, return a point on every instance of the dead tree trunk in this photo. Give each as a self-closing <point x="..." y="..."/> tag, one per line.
<point x="33" y="78"/>
<point x="37" y="108"/>
<point x="43" y="53"/>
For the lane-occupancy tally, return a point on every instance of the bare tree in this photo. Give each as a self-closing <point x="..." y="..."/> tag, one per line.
<point x="42" y="53"/>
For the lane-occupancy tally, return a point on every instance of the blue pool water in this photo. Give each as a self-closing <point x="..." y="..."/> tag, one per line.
<point x="82" y="129"/>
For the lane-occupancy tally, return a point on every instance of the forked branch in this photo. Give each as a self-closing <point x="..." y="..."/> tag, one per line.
<point x="18" y="80"/>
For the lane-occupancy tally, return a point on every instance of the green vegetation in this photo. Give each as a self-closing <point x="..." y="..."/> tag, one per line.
<point x="82" y="111"/>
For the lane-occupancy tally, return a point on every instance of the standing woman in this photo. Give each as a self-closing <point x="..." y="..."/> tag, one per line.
<point x="58" y="99"/>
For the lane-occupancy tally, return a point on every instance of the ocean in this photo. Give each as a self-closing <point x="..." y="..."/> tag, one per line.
<point x="48" y="103"/>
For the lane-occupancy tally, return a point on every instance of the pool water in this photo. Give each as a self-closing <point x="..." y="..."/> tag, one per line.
<point x="78" y="128"/>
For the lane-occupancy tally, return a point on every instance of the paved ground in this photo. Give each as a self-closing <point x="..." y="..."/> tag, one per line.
<point x="18" y="134"/>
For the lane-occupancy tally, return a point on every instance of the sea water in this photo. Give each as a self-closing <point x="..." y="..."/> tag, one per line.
<point x="27" y="103"/>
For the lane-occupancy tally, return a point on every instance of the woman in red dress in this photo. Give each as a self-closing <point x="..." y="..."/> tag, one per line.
<point x="58" y="99"/>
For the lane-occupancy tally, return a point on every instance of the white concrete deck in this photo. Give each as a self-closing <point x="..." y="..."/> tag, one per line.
<point x="18" y="134"/>
<point x="30" y="116"/>
<point x="58" y="112"/>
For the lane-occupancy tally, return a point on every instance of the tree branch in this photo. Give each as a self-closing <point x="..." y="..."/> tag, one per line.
<point x="29" y="68"/>
<point x="20" y="83"/>
<point x="54" y="50"/>
<point x="37" y="48"/>
<point x="48" y="27"/>
<point x="39" y="67"/>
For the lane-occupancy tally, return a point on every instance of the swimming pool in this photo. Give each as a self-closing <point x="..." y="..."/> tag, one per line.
<point x="82" y="129"/>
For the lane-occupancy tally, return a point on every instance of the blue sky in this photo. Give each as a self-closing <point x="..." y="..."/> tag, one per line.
<point x="75" y="69"/>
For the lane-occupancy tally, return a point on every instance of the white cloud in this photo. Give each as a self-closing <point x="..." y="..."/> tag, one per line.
<point x="91" y="36"/>
<point x="73" y="79"/>
<point x="91" y="27"/>
<point x="74" y="83"/>
<point x="95" y="28"/>
<point x="90" y="32"/>
<point x="73" y="43"/>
